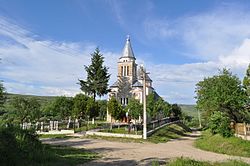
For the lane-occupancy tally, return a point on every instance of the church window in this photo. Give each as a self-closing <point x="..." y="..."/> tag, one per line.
<point x="126" y="100"/>
<point x="127" y="70"/>
<point x="121" y="100"/>
<point x="124" y="71"/>
<point x="121" y="70"/>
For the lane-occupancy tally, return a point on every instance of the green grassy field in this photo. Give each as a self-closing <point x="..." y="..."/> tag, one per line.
<point x="216" y="143"/>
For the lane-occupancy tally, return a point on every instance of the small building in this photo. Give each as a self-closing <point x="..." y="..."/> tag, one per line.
<point x="129" y="79"/>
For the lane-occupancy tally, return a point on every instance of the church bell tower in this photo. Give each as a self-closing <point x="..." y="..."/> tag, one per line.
<point x="126" y="64"/>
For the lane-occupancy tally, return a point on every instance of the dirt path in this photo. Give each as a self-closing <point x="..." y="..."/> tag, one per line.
<point x="118" y="153"/>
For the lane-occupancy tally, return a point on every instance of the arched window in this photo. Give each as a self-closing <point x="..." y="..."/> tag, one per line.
<point x="121" y="70"/>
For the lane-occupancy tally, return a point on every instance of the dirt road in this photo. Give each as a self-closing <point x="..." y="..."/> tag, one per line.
<point x="128" y="154"/>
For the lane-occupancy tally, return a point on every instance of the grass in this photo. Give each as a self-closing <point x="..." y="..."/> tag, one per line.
<point x="121" y="130"/>
<point x="117" y="139"/>
<point x="69" y="156"/>
<point x="190" y="162"/>
<point x="216" y="143"/>
<point x="54" y="136"/>
<point x="89" y="126"/>
<point x="169" y="132"/>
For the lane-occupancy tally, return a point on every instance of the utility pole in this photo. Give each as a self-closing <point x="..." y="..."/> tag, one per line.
<point x="144" y="105"/>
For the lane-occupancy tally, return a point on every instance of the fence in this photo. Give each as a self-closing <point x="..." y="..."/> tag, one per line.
<point x="242" y="130"/>
<point x="157" y="124"/>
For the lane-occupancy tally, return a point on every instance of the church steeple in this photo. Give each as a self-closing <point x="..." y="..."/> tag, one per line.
<point x="126" y="64"/>
<point x="128" y="51"/>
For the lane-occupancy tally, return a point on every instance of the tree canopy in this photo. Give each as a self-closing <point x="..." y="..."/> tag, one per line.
<point x="246" y="81"/>
<point x="80" y="105"/>
<point x="135" y="108"/>
<point x="92" y="108"/>
<point x="115" y="109"/>
<point x="157" y="107"/>
<point x="222" y="92"/>
<point x="60" y="107"/>
<point x="24" y="110"/>
<point x="97" y="76"/>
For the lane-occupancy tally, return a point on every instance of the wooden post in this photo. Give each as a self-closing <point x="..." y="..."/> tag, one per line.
<point x="245" y="130"/>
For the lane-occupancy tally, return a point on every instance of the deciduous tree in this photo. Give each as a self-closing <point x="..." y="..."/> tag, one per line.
<point x="80" y="106"/>
<point x="223" y="93"/>
<point x="135" y="108"/>
<point x="115" y="109"/>
<point x="246" y="81"/>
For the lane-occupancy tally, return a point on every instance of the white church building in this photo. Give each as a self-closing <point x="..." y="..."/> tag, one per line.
<point x="129" y="79"/>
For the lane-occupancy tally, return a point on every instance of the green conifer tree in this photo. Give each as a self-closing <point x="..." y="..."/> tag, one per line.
<point x="97" y="76"/>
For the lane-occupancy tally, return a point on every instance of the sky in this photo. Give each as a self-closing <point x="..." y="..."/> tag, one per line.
<point x="45" y="44"/>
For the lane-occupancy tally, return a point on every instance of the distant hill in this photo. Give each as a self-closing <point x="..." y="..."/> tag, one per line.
<point x="41" y="99"/>
<point x="189" y="110"/>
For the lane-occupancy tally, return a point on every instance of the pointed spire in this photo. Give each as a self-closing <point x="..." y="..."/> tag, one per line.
<point x="127" y="51"/>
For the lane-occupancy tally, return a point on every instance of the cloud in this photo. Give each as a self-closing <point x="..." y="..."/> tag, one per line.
<point x="205" y="35"/>
<point x="42" y="67"/>
<point x="177" y="82"/>
<point x="158" y="29"/>
<point x="217" y="39"/>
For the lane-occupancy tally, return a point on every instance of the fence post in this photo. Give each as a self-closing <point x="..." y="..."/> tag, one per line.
<point x="245" y="130"/>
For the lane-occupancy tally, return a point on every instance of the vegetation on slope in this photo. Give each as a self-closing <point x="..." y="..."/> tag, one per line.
<point x="169" y="132"/>
<point x="216" y="143"/>
<point x="191" y="162"/>
<point x="189" y="110"/>
<point x="22" y="147"/>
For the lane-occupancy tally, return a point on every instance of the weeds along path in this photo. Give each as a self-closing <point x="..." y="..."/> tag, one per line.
<point x="119" y="153"/>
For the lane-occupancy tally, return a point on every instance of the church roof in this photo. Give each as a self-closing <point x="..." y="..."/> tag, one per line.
<point x="137" y="84"/>
<point x="140" y="75"/>
<point x="128" y="51"/>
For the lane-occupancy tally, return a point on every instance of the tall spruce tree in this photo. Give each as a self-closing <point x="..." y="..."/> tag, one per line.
<point x="97" y="76"/>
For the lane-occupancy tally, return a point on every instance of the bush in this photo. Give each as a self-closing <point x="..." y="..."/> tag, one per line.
<point x="21" y="147"/>
<point x="219" y="123"/>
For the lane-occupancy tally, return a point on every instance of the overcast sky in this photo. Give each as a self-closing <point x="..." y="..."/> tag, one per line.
<point x="45" y="44"/>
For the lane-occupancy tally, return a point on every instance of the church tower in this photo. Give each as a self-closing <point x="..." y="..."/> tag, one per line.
<point x="126" y="64"/>
<point x="129" y="83"/>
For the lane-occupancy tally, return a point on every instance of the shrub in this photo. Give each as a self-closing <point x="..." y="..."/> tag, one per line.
<point x="219" y="123"/>
<point x="21" y="147"/>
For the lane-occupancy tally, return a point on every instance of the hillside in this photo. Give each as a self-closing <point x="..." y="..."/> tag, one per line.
<point x="41" y="99"/>
<point x="189" y="110"/>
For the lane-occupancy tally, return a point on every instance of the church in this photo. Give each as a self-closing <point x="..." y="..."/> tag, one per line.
<point x="129" y="79"/>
